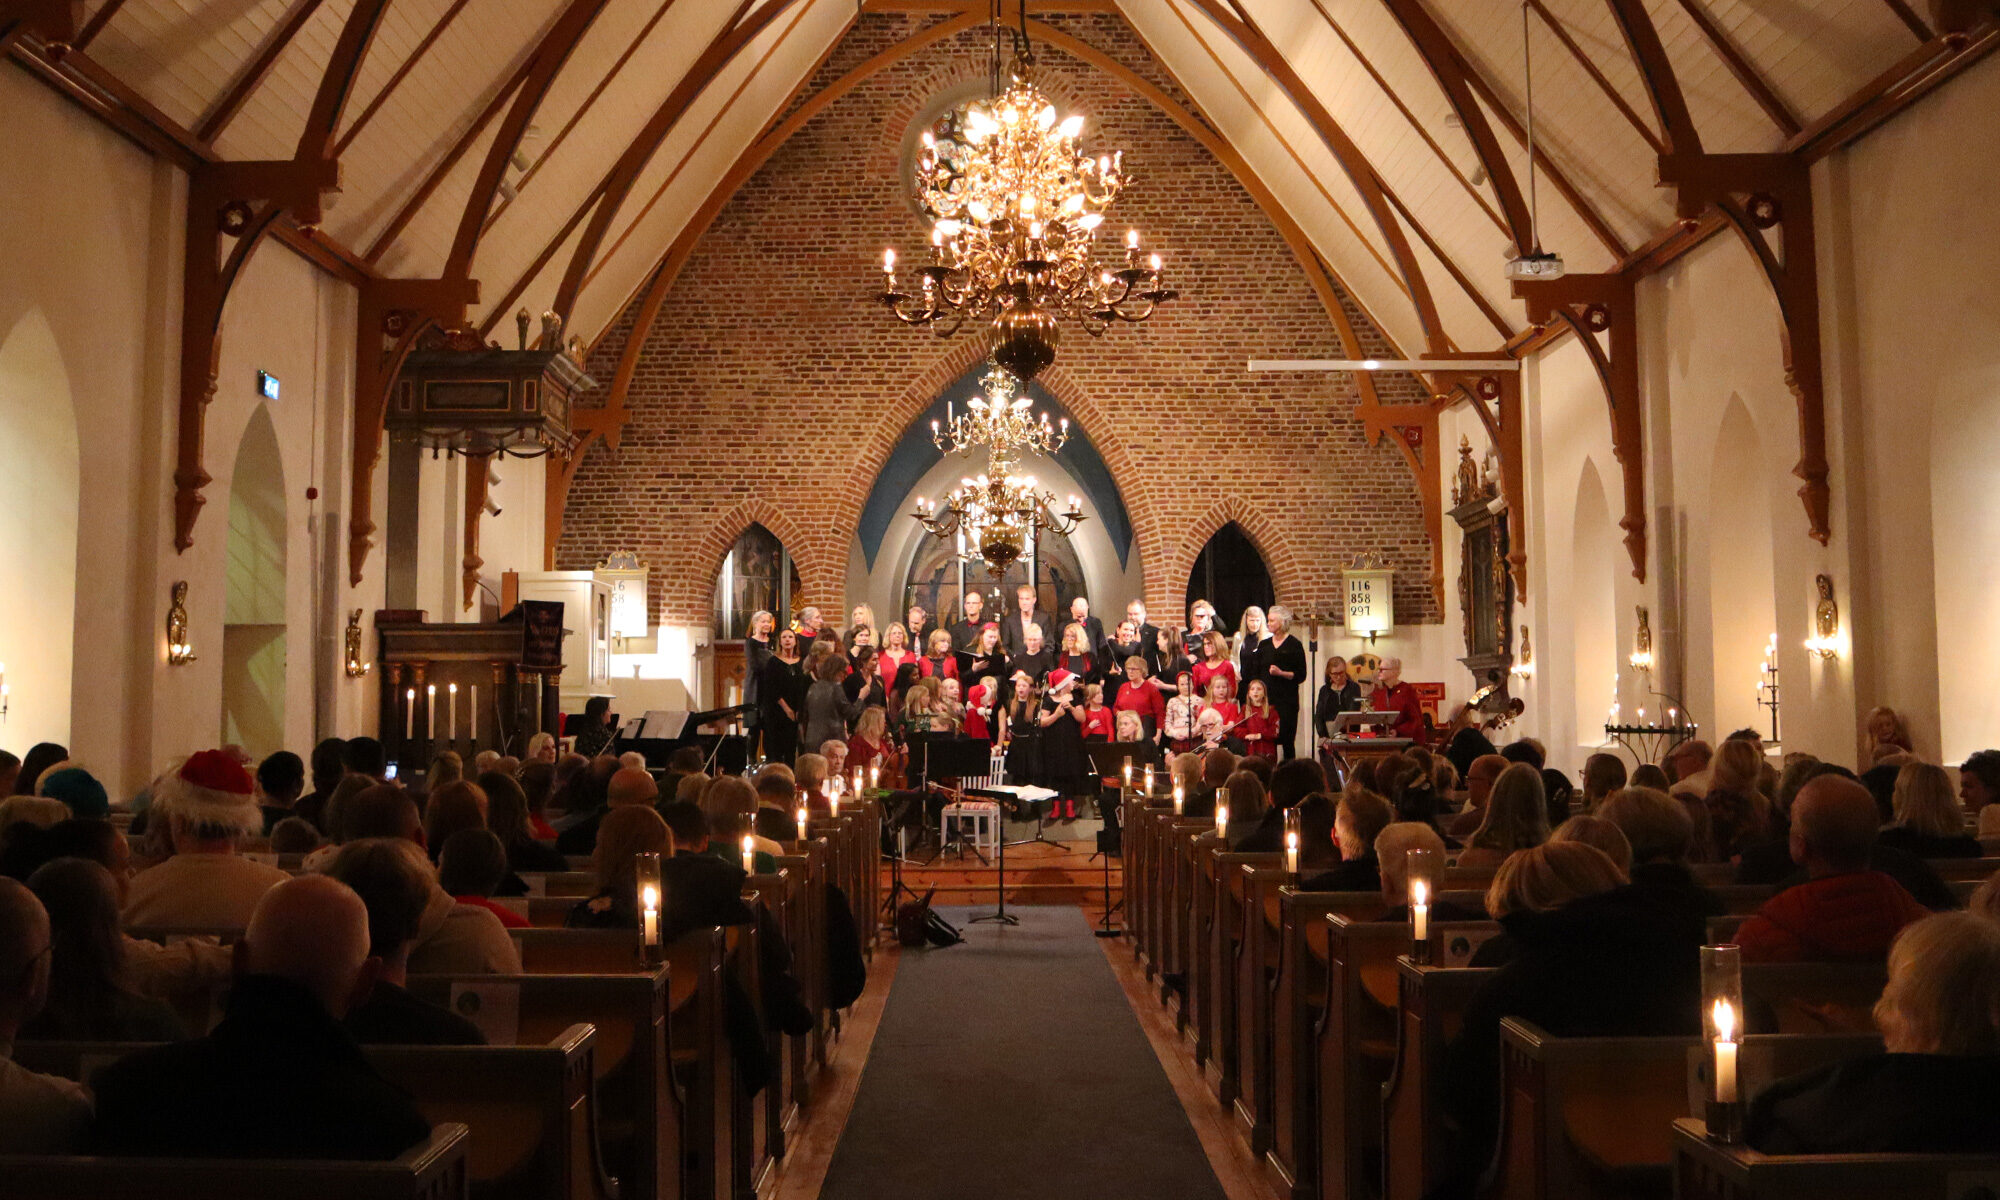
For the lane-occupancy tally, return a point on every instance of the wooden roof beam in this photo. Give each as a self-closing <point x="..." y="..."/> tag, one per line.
<point x="1746" y="74"/>
<point x="248" y="80"/>
<point x="1657" y="70"/>
<point x="98" y="20"/>
<point x="1590" y="68"/>
<point x="1911" y="21"/>
<point x="444" y="165"/>
<point x="402" y="72"/>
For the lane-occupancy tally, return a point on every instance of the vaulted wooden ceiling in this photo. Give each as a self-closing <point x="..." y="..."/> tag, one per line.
<point x="1364" y="118"/>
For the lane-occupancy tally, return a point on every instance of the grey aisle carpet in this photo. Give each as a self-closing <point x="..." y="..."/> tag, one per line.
<point x="1011" y="1067"/>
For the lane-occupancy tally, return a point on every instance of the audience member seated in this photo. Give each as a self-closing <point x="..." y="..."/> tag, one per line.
<point x="1254" y="826"/>
<point x="626" y="788"/>
<point x="294" y="835"/>
<point x="586" y="798"/>
<point x="1293" y="780"/>
<point x="449" y="808"/>
<point x="1929" y="822"/>
<point x="1591" y="957"/>
<point x="1603" y="774"/>
<point x="39" y="1114"/>
<point x="364" y="756"/>
<point x="10" y="770"/>
<point x="777" y="799"/>
<point x="1557" y="794"/>
<point x="1738" y="814"/>
<point x="78" y="791"/>
<point x="1650" y="775"/>
<point x="1931" y="1089"/>
<point x="538" y="781"/>
<point x="1216" y="767"/>
<point x="1598" y="832"/>
<point x="279" y="1077"/>
<point x="1688" y="764"/>
<point x="394" y="882"/>
<point x="21" y="819"/>
<point x="453" y="938"/>
<point x="1845" y="912"/>
<point x="1771" y="862"/>
<point x="1392" y="851"/>
<point x="623" y="835"/>
<point x="1478" y="787"/>
<point x="1526" y="750"/>
<point x="1979" y="789"/>
<point x="1661" y="836"/>
<point x="281" y="780"/>
<point x="471" y="870"/>
<point x="1516" y="818"/>
<point x="507" y="816"/>
<point x="730" y="804"/>
<point x="328" y="770"/>
<point x="39" y="758"/>
<point x="1359" y="818"/>
<point x="205" y="807"/>
<point x="1318" y="849"/>
<point x="90" y="995"/>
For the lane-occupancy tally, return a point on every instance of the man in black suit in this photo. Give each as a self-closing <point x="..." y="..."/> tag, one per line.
<point x="1026" y="612"/>
<point x="965" y="634"/>
<point x="1149" y="635"/>
<point x="279" y="1077"/>
<point x="1093" y="629"/>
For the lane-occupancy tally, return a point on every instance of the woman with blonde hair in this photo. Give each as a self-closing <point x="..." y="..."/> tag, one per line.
<point x="895" y="651"/>
<point x="1884" y="727"/>
<point x="863" y="617"/>
<point x="1738" y="814"/>
<point x="1930" y="1090"/>
<point x="1929" y="822"/>
<point x="542" y="748"/>
<point x="1601" y="833"/>
<point x="938" y="661"/>
<point x="1517" y="818"/>
<point x="1258" y="727"/>
<point x="1214" y="662"/>
<point x="1250" y="650"/>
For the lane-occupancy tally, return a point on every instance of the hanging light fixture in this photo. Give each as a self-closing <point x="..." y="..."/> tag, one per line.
<point x="1001" y="420"/>
<point x="1014" y="203"/>
<point x="999" y="514"/>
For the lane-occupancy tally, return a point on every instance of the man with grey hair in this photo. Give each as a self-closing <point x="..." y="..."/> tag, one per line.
<point x="39" y="1114"/>
<point x="1845" y="911"/>
<point x="1393" y="695"/>
<point x="279" y="1077"/>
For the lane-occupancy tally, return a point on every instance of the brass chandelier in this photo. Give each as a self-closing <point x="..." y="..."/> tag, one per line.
<point x="1014" y="204"/>
<point x="1000" y="420"/>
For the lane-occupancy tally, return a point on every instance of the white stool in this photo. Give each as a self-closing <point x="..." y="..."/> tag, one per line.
<point x="984" y="818"/>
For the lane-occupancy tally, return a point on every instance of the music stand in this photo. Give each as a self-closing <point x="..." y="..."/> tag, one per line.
<point x="955" y="757"/>
<point x="1109" y="758"/>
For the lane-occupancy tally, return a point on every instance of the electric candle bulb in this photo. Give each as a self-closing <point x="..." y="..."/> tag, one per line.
<point x="1131" y="239"/>
<point x="1156" y="264"/>
<point x="888" y="262"/>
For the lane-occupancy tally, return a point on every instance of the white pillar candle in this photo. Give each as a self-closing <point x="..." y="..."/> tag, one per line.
<point x="874" y="777"/>
<point x="1725" y="1052"/>
<point x="451" y="712"/>
<point x="1128" y="772"/>
<point x="472" y="713"/>
<point x="749" y="855"/>
<point x="650" y="915"/>
<point x="857" y="781"/>
<point x="802" y="823"/>
<point x="1292" y="853"/>
<point x="409" y="714"/>
<point x="1420" y="910"/>
<point x="1149" y="781"/>
<point x="430" y="711"/>
<point x="1221" y="818"/>
<point x="1178" y="797"/>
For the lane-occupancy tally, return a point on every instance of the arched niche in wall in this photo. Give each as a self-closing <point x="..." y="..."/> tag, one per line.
<point x="1594" y="557"/>
<point x="253" y="620"/>
<point x="39" y="500"/>
<point x="1742" y="589"/>
<point x="1231" y="574"/>
<point x="895" y="561"/>
<point x="757" y="575"/>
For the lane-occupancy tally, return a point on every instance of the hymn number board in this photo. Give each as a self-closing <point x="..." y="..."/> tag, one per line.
<point x="1371" y="604"/>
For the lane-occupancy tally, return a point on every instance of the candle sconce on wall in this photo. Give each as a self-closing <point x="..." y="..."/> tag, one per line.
<point x="1524" y="659"/>
<point x="355" y="667"/>
<point x="1825" y="639"/>
<point x="1641" y="658"/>
<point x="179" y="650"/>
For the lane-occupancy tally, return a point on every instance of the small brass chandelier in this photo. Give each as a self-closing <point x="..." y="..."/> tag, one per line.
<point x="1000" y="420"/>
<point x="1014" y="203"/>
<point x="998" y="514"/>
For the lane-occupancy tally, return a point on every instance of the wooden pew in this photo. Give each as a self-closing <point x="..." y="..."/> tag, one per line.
<point x="1176" y="901"/>
<point x="1706" y="1171"/>
<point x="1787" y="998"/>
<point x="639" y="1114"/>
<point x="1198" y="945"/>
<point x="530" y="1110"/>
<point x="1593" y="1117"/>
<point x="1138" y="827"/>
<point x="434" y="1169"/>
<point x="1164" y="924"/>
<point x="1238" y="876"/>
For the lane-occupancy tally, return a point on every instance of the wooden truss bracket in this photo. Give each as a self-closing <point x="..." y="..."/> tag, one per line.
<point x="1767" y="200"/>
<point x="391" y="315"/>
<point x="1605" y="304"/>
<point x="231" y="207"/>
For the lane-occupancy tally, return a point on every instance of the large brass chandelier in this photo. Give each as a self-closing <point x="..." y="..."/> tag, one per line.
<point x="998" y="514"/>
<point x="1014" y="203"/>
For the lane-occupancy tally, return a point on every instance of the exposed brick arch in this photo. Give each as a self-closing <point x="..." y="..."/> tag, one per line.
<point x="689" y="594"/>
<point x="1167" y="572"/>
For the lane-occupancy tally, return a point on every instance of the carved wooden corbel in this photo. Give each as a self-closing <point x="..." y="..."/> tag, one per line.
<point x="1607" y="304"/>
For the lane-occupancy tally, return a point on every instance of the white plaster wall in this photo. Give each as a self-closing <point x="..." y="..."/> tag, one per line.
<point x="38" y="526"/>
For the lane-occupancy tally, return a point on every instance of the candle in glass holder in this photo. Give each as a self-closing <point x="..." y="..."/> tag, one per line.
<point x="649" y="916"/>
<point x="857" y="782"/>
<point x="1128" y="772"/>
<point x="1725" y="1052"/>
<point x="1222" y="812"/>
<point x="802" y="822"/>
<point x="1420" y="910"/>
<point x="833" y="796"/>
<point x="1179" y="796"/>
<point x="749" y="855"/>
<point x="1149" y="780"/>
<point x="1292" y="853"/>
<point x="874" y="778"/>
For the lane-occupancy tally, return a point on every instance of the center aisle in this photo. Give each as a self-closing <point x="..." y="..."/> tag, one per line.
<point x="1012" y="1067"/>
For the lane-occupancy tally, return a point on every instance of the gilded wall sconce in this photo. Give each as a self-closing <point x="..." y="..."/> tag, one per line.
<point x="1825" y="639"/>
<point x="179" y="650"/>
<point x="355" y="667"/>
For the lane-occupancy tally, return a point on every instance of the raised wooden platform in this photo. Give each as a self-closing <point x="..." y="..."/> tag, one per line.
<point x="1037" y="873"/>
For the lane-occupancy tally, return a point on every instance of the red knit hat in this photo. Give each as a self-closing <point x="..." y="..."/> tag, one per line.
<point x="1059" y="677"/>
<point x="212" y="791"/>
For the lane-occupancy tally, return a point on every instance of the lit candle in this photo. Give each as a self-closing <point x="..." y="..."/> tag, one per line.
<point x="1222" y="812"/>
<point x="472" y="713"/>
<point x="1131" y="239"/>
<point x="1420" y="910"/>
<point x="1178" y="797"/>
<point x="1149" y="781"/>
<point x="1128" y="772"/>
<point x="409" y="714"/>
<point x="802" y="823"/>
<point x="1725" y="1052"/>
<point x="451" y="706"/>
<point x="857" y="781"/>
<point x="749" y="855"/>
<point x="889" y="263"/>
<point x="833" y="798"/>
<point x="431" y="711"/>
<point x="1292" y="853"/>
<point x="874" y="778"/>
<point x="650" y="915"/>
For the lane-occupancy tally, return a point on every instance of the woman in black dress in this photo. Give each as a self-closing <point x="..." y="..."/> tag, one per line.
<point x="1252" y="651"/>
<point x="986" y="656"/>
<point x="1065" y="765"/>
<point x="756" y="652"/>
<point x="781" y="696"/>
<point x="864" y="683"/>
<point x="1123" y="644"/>
<point x="1074" y="656"/>
<point x="1173" y="659"/>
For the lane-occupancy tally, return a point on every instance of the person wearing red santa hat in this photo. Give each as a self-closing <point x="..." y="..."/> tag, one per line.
<point x="1065" y="765"/>
<point x="207" y="805"/>
<point x="979" y="701"/>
